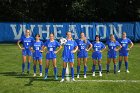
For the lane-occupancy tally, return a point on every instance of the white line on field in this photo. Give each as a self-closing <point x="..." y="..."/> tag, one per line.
<point x="67" y="73"/>
<point x="135" y="81"/>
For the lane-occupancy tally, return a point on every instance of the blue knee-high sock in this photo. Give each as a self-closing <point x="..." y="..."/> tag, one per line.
<point x="40" y="67"/>
<point x="63" y="72"/>
<point x="72" y="72"/>
<point x="34" y="67"/>
<point x="93" y="68"/>
<point x="120" y="63"/>
<point x="107" y="67"/>
<point x="23" y="67"/>
<point x="46" y="71"/>
<point x="78" y="70"/>
<point x="114" y="67"/>
<point x="126" y="65"/>
<point x="85" y="70"/>
<point x="28" y="67"/>
<point x="100" y="67"/>
<point x="55" y="71"/>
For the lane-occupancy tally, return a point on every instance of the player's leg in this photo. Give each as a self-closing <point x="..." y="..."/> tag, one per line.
<point x="100" y="67"/>
<point x="126" y="63"/>
<point x="28" y="66"/>
<point x="108" y="64"/>
<point x="40" y="66"/>
<point x="46" y="69"/>
<point x="55" y="68"/>
<point x="114" y="61"/>
<point x="23" y="63"/>
<point x="94" y="67"/>
<point x="85" y="66"/>
<point x="34" y="67"/>
<point x="72" y="70"/>
<point x="78" y="66"/>
<point x="29" y="53"/>
<point x="64" y="71"/>
<point x="120" y="62"/>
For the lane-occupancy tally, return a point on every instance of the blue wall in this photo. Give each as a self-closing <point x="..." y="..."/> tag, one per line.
<point x="11" y="32"/>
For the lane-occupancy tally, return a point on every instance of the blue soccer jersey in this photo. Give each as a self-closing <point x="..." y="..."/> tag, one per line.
<point x="111" y="48"/>
<point x="82" y="46"/>
<point x="51" y="47"/>
<point x="68" y="47"/>
<point x="97" y="47"/>
<point x="124" y="43"/>
<point x="27" y="42"/>
<point x="37" y="47"/>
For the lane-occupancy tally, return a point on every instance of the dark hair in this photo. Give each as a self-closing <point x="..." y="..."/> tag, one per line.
<point x="68" y="32"/>
<point x="51" y="33"/>
<point x="37" y="35"/>
<point x="96" y="37"/>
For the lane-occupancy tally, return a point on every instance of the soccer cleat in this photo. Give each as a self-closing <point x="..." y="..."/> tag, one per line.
<point x="46" y="77"/>
<point x="40" y="74"/>
<point x="119" y="71"/>
<point x="127" y="71"/>
<point x="28" y="72"/>
<point x="62" y="80"/>
<point x="56" y="78"/>
<point x="77" y="76"/>
<point x="72" y="79"/>
<point x="34" y="75"/>
<point x="93" y="74"/>
<point x="100" y="74"/>
<point x="22" y="73"/>
<point x="85" y="76"/>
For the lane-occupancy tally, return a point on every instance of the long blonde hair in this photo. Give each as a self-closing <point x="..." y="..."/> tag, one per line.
<point x="113" y="36"/>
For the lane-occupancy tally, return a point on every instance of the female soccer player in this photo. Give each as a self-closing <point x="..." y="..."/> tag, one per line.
<point x="98" y="48"/>
<point x="70" y="47"/>
<point x="123" y="53"/>
<point x="37" y="53"/>
<point x="83" y="46"/>
<point x="113" y="47"/>
<point x="26" y="41"/>
<point x="51" y="46"/>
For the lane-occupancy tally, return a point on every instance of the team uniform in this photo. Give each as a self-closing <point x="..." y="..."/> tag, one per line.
<point x="51" y="48"/>
<point x="37" y="55"/>
<point x="123" y="51"/>
<point x="68" y="56"/>
<point x="111" y="52"/>
<point x="82" y="53"/>
<point x="97" y="55"/>
<point x="27" y="42"/>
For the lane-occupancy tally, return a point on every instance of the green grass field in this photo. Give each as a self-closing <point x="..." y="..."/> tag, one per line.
<point x="11" y="80"/>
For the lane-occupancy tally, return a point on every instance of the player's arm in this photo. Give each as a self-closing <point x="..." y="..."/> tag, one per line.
<point x="103" y="49"/>
<point x="90" y="46"/>
<point x="118" y="48"/>
<point x="18" y="43"/>
<point x="131" y="45"/>
<point x="75" y="49"/>
<point x="59" y="48"/>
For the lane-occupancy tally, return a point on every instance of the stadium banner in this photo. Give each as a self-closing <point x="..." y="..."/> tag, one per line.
<point x="11" y="32"/>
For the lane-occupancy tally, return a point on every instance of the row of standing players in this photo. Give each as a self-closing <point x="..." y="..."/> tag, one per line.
<point x="35" y="48"/>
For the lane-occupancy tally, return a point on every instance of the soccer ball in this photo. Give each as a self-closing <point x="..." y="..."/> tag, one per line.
<point x="63" y="41"/>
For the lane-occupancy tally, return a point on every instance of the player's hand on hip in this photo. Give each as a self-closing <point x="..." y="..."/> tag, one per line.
<point x="55" y="52"/>
<point x="128" y="49"/>
<point x="22" y="48"/>
<point x="87" y="50"/>
<point x="73" y="51"/>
